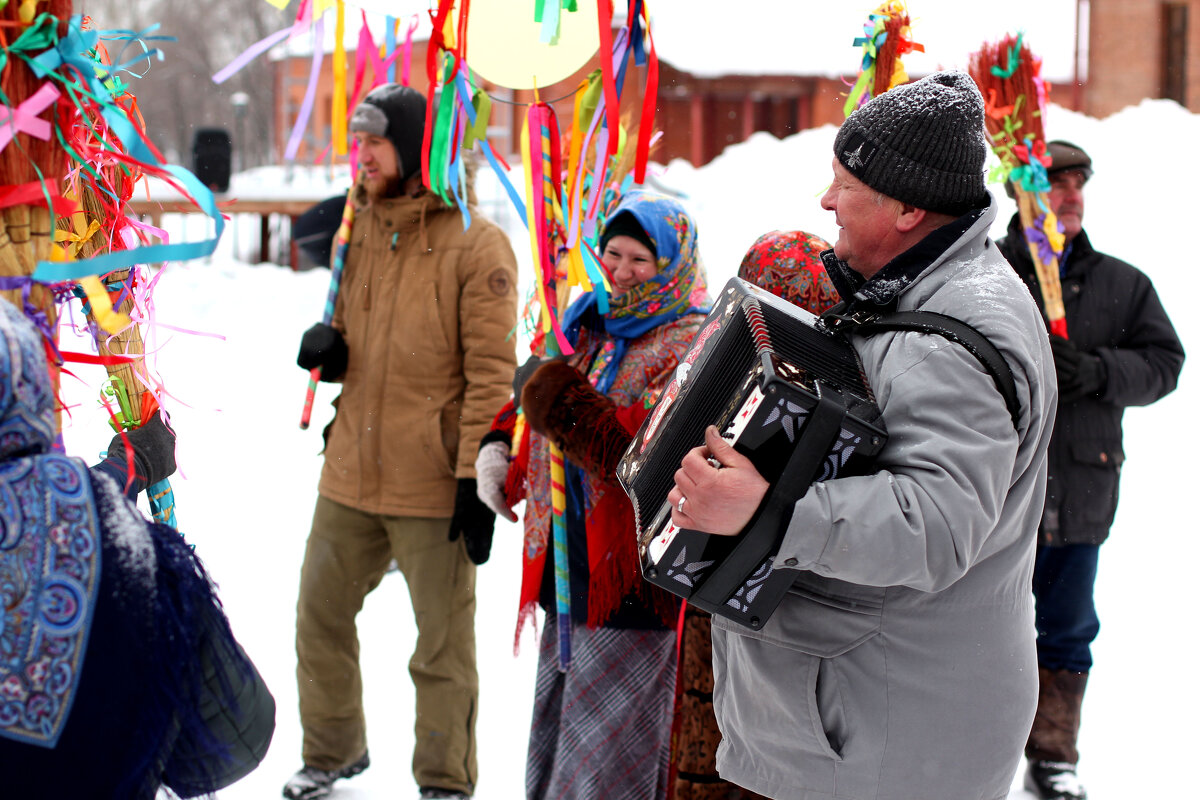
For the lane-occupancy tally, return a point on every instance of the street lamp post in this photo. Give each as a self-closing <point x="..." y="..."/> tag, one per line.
<point x="241" y="102"/>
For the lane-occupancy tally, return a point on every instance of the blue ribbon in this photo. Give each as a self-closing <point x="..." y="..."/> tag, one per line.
<point x="389" y="47"/>
<point x="464" y="92"/>
<point x="70" y="51"/>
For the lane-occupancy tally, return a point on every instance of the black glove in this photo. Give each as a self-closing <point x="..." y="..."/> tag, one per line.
<point x="473" y="520"/>
<point x="525" y="372"/>
<point x="153" y="451"/>
<point x="323" y="346"/>
<point x="1079" y="374"/>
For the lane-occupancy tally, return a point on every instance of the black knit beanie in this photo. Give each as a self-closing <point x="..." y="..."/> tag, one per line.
<point x="626" y="224"/>
<point x="922" y="144"/>
<point x="396" y="113"/>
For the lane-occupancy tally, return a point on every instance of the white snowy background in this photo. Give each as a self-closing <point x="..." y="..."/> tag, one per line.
<point x="248" y="475"/>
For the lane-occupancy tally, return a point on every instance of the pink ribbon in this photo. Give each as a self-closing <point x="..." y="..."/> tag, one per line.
<point x="25" y="116"/>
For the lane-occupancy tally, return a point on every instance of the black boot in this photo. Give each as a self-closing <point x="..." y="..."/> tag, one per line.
<point x="1054" y="780"/>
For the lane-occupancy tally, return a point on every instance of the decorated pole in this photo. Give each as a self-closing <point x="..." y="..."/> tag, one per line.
<point x="887" y="38"/>
<point x="1009" y="77"/>
<point x="342" y="245"/>
<point x="32" y="160"/>
<point x="118" y="338"/>
<point x="71" y="147"/>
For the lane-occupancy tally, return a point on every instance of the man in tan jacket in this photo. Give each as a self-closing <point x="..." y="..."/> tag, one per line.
<point x="420" y="343"/>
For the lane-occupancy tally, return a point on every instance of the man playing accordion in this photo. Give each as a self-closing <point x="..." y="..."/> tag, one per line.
<point x="901" y="662"/>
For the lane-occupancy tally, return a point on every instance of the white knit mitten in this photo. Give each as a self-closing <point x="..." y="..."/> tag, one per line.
<point x="491" y="470"/>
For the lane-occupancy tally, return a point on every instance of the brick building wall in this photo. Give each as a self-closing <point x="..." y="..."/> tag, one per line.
<point x="1128" y="53"/>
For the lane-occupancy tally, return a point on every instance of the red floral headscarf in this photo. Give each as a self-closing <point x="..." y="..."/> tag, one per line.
<point x="788" y="264"/>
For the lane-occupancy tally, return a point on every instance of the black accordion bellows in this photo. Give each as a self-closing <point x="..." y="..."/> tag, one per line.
<point x="788" y="394"/>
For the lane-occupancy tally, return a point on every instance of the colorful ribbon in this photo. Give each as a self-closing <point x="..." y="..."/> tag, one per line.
<point x="24" y="118"/>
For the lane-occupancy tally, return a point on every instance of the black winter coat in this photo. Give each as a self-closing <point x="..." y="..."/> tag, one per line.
<point x="1112" y="312"/>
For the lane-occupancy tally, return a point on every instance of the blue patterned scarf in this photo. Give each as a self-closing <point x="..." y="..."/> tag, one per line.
<point x="678" y="288"/>
<point x="49" y="547"/>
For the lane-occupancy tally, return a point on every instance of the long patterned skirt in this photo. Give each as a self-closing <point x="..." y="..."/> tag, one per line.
<point x="602" y="729"/>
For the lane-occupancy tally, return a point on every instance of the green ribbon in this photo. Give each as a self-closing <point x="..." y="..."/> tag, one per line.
<point x="443" y="135"/>
<point x="477" y="131"/>
<point x="591" y="99"/>
<point x="1014" y="60"/>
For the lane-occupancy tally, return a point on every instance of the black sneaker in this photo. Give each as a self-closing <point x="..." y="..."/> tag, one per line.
<point x="310" y="783"/>
<point x="434" y="793"/>
<point x="1054" y="780"/>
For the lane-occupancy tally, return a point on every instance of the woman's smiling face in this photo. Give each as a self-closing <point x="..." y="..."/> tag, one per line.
<point x="629" y="263"/>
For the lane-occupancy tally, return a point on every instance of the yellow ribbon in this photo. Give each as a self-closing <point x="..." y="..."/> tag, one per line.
<point x="1053" y="234"/>
<point x="75" y="238"/>
<point x="28" y="10"/>
<point x="531" y="216"/>
<point x="339" y="82"/>
<point x="111" y="321"/>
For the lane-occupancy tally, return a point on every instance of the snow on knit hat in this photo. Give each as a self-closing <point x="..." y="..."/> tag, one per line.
<point x="922" y="144"/>
<point x="396" y="113"/>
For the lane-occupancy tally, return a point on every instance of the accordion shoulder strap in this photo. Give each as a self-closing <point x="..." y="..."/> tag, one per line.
<point x="956" y="331"/>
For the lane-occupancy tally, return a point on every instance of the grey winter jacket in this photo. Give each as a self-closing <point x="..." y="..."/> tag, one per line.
<point x="901" y="664"/>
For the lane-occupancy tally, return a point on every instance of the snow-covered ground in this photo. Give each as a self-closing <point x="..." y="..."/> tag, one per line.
<point x="248" y="475"/>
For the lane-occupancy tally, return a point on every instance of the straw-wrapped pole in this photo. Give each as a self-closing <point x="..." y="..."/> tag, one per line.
<point x="1008" y="75"/>
<point x="128" y="341"/>
<point x="887" y="39"/>
<point x="26" y="228"/>
<point x="889" y="52"/>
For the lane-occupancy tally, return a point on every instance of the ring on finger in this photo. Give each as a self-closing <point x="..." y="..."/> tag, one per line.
<point x="679" y="506"/>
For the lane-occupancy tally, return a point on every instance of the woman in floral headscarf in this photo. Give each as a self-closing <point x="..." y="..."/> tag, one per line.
<point x="787" y="264"/>
<point x="602" y="727"/>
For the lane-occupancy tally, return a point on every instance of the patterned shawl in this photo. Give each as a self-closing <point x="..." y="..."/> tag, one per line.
<point x="49" y="547"/>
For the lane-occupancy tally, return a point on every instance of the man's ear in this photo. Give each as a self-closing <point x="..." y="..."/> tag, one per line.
<point x="909" y="218"/>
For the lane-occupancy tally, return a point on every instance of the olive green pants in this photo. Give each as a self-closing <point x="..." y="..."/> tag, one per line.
<point x="347" y="555"/>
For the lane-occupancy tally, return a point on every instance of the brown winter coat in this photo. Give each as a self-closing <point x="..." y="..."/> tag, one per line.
<point x="426" y="309"/>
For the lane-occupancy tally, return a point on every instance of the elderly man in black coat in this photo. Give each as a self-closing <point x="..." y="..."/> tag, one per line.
<point x="1122" y="351"/>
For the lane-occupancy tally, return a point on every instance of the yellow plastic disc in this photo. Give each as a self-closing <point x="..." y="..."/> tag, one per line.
<point x="504" y="43"/>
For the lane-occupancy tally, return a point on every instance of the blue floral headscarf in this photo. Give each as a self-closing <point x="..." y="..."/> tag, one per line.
<point x="677" y="289"/>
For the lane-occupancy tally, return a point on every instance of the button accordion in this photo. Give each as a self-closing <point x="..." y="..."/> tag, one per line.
<point x="788" y="394"/>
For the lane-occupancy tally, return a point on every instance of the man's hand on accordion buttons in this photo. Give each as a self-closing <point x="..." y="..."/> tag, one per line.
<point x="719" y="497"/>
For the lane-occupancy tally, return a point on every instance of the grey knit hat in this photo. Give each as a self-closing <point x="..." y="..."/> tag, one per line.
<point x="922" y="144"/>
<point x="396" y="113"/>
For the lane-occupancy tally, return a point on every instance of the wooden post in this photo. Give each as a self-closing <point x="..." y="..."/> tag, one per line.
<point x="697" y="125"/>
<point x="264" y="237"/>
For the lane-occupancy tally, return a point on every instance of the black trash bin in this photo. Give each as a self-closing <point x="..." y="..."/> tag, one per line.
<point x="212" y="158"/>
